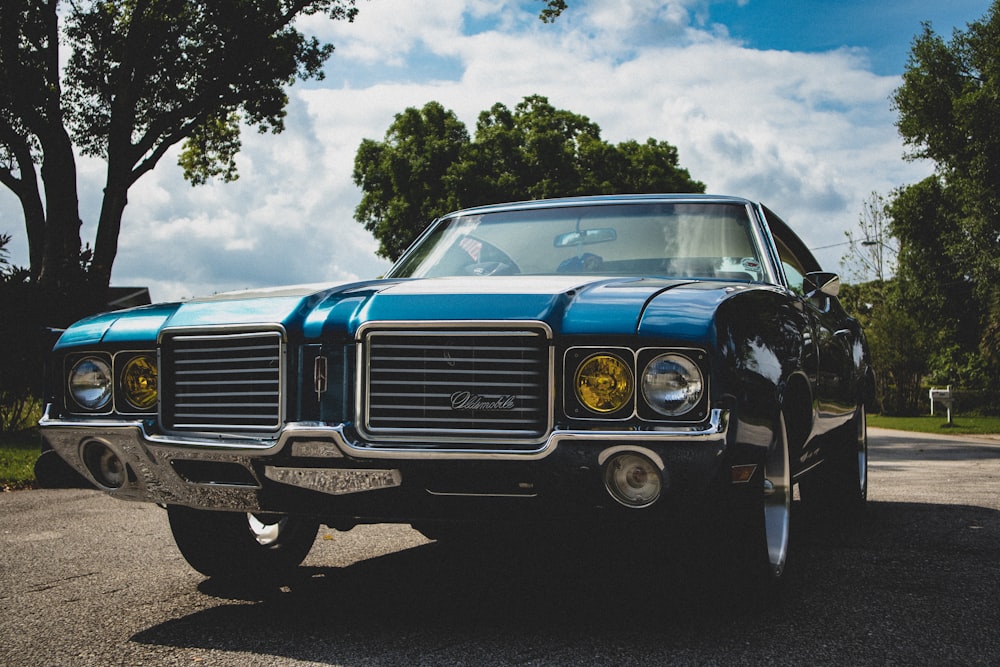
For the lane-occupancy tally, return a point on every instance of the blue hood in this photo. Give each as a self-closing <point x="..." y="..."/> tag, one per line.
<point x="568" y="304"/>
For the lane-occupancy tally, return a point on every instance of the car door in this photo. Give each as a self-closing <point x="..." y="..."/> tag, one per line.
<point x="832" y="336"/>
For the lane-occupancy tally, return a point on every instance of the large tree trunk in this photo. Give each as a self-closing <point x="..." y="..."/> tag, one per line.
<point x="61" y="254"/>
<point x="108" y="229"/>
<point x="25" y="188"/>
<point x="120" y="178"/>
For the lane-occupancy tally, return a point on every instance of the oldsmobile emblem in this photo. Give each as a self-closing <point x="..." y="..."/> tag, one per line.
<point x="466" y="400"/>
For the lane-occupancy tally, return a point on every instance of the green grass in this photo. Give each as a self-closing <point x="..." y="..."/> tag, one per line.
<point x="18" y="453"/>
<point x="961" y="424"/>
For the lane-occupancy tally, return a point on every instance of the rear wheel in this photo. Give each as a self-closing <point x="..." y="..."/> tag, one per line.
<point x="840" y="485"/>
<point x="235" y="545"/>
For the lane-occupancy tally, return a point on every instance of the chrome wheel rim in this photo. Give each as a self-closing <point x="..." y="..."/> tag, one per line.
<point x="777" y="502"/>
<point x="266" y="533"/>
<point x="863" y="452"/>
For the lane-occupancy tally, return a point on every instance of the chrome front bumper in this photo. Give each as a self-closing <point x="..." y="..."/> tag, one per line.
<point x="153" y="465"/>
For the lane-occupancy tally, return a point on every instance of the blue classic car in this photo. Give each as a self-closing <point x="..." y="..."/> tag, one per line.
<point x="621" y="361"/>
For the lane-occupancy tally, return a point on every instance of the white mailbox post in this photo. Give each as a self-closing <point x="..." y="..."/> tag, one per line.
<point x="944" y="397"/>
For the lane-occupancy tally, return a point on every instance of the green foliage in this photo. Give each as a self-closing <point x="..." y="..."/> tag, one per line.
<point x="949" y="224"/>
<point x="145" y="75"/>
<point x="126" y="81"/>
<point x="18" y="453"/>
<point x="427" y="165"/>
<point x="898" y="341"/>
<point x="31" y="314"/>
<point x="211" y="151"/>
<point x="552" y="10"/>
<point x="405" y="178"/>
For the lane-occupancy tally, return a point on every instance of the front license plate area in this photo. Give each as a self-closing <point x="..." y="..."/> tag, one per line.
<point x="335" y="481"/>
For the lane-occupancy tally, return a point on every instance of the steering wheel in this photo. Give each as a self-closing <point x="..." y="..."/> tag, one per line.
<point x="488" y="260"/>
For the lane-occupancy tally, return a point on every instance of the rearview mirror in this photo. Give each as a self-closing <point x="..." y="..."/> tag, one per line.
<point x="585" y="237"/>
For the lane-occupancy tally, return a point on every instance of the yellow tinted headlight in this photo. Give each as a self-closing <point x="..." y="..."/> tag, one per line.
<point x="604" y="383"/>
<point x="139" y="382"/>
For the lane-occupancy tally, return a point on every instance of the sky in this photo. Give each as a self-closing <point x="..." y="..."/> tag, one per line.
<point x="787" y="102"/>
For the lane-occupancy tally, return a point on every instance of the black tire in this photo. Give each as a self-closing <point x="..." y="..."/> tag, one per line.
<point x="839" y="487"/>
<point x="236" y="545"/>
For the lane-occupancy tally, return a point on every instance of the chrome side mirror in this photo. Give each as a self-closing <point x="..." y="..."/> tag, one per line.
<point x="821" y="283"/>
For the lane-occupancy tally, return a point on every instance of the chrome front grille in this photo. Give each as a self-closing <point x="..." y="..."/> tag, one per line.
<point x="222" y="381"/>
<point x="456" y="385"/>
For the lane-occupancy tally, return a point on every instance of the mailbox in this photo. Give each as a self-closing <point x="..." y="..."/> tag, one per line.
<point x="944" y="397"/>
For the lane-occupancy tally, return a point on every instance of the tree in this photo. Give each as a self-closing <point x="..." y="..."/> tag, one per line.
<point x="949" y="225"/>
<point x="872" y="250"/>
<point x="141" y="77"/>
<point x="427" y="165"/>
<point x="889" y="309"/>
<point x="900" y="344"/>
<point x="404" y="176"/>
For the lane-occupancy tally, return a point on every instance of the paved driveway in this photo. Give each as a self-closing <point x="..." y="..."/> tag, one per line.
<point x="86" y="580"/>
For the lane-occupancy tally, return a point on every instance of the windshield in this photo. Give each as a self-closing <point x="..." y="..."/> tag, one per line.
<point x="683" y="240"/>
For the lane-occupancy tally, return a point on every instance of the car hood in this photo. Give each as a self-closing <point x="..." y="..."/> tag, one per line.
<point x="681" y="309"/>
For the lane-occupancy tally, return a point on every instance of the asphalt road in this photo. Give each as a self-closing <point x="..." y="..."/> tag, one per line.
<point x="86" y="580"/>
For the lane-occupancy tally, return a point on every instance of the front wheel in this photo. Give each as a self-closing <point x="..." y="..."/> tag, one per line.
<point x="236" y="545"/>
<point x="777" y="502"/>
<point x="757" y="532"/>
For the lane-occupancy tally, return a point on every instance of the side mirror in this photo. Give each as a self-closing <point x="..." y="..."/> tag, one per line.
<point x="823" y="283"/>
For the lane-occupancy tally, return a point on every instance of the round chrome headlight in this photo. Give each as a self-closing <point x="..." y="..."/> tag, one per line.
<point x="672" y="384"/>
<point x="633" y="480"/>
<point x="139" y="382"/>
<point x="90" y="383"/>
<point x="604" y="383"/>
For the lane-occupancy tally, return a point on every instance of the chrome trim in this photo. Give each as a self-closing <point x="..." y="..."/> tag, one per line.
<point x="443" y="435"/>
<point x="69" y="402"/>
<point x="645" y="451"/>
<point x="335" y="481"/>
<point x="222" y="329"/>
<point x="443" y="494"/>
<point x="118" y="384"/>
<point x="570" y="369"/>
<point x="152" y="477"/>
<point x="764" y="238"/>
<point x="216" y="333"/>
<point x="698" y="356"/>
<point x="316" y="438"/>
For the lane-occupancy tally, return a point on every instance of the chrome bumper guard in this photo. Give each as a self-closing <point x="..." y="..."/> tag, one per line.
<point x="154" y="464"/>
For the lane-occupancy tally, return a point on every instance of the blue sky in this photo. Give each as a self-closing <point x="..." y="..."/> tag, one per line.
<point x="884" y="30"/>
<point x="784" y="102"/>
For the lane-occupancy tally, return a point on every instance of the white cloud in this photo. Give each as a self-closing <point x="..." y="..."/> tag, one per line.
<point x="811" y="135"/>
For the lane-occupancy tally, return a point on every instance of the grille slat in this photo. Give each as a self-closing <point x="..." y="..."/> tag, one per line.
<point x="223" y="381"/>
<point x="452" y="384"/>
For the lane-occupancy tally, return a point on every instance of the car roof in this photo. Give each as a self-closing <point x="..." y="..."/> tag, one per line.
<point x="602" y="200"/>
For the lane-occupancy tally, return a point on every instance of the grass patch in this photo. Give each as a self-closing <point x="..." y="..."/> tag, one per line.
<point x="960" y="424"/>
<point x="18" y="453"/>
